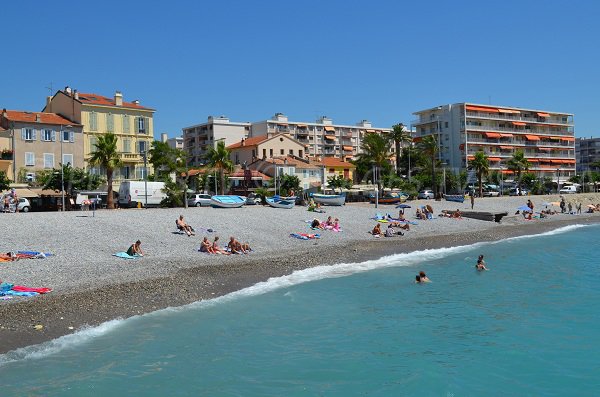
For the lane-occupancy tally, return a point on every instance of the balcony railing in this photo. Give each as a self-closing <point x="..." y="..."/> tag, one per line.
<point x="515" y="117"/>
<point x="514" y="130"/>
<point x="512" y="142"/>
<point x="533" y="155"/>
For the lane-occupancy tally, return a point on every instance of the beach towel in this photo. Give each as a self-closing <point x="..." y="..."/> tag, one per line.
<point x="125" y="255"/>
<point x="18" y="293"/>
<point x="20" y="288"/>
<point x="35" y="254"/>
<point x="305" y="236"/>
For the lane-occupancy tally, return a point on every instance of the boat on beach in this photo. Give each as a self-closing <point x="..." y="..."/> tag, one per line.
<point x="227" y="201"/>
<point x="390" y="198"/>
<point x="459" y="198"/>
<point x="281" y="202"/>
<point x="329" y="199"/>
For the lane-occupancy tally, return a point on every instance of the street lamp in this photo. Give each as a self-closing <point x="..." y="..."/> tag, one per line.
<point x="62" y="165"/>
<point x="145" y="156"/>
<point x="444" y="177"/>
<point x="557" y="180"/>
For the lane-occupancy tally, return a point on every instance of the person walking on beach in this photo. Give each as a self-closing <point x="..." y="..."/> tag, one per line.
<point x="578" y="208"/>
<point x="563" y="205"/>
<point x="472" y="194"/>
<point x="135" y="249"/>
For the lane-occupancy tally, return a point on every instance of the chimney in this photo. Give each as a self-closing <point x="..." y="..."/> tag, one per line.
<point x="38" y="118"/>
<point x="119" y="98"/>
<point x="4" y="113"/>
<point x="136" y="102"/>
<point x="75" y="94"/>
<point x="243" y="141"/>
<point x="49" y="104"/>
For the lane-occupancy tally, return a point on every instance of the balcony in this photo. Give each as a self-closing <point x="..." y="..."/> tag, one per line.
<point x="131" y="157"/>
<point x="511" y="142"/>
<point x="515" y="117"/>
<point x="490" y="128"/>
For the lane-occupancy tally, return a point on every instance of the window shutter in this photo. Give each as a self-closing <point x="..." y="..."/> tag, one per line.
<point x="33" y="135"/>
<point x="23" y="134"/>
<point x="136" y="125"/>
<point x="53" y="135"/>
<point x="147" y="124"/>
<point x="71" y="136"/>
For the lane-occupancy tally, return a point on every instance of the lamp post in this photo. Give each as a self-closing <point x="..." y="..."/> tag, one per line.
<point x="145" y="155"/>
<point x="557" y="180"/>
<point x="62" y="166"/>
<point x="444" y="177"/>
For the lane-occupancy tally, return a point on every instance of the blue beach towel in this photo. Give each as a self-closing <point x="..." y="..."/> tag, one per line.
<point x="125" y="255"/>
<point x="35" y="253"/>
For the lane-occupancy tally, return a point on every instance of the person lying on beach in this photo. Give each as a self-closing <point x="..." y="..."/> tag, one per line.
<point x="316" y="224"/>
<point x="480" y="264"/>
<point x="457" y="214"/>
<point x="377" y="230"/>
<point x="181" y="225"/>
<point x="420" y="214"/>
<point x="424" y="278"/>
<point x="216" y="249"/>
<point x="445" y="214"/>
<point x="400" y="225"/>
<point x="135" y="249"/>
<point x="328" y="222"/>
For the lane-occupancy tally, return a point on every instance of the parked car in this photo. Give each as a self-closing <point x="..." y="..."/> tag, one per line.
<point x="199" y="200"/>
<point x="491" y="193"/>
<point x="518" y="192"/>
<point x="253" y="199"/>
<point x="24" y="205"/>
<point x="568" y="190"/>
<point x="425" y="194"/>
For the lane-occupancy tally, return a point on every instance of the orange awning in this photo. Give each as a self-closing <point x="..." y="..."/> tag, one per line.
<point x="330" y="137"/>
<point x="568" y="138"/>
<point x="370" y="130"/>
<point x="532" y="137"/>
<point x="301" y="125"/>
<point x="328" y="128"/>
<point x="494" y="158"/>
<point x="507" y="172"/>
<point x="506" y="135"/>
<point x="349" y="148"/>
<point x="507" y="147"/>
<point x="282" y="124"/>
<point x="518" y="123"/>
<point x="533" y="160"/>
<point x="541" y="114"/>
<point x="554" y="137"/>
<point x="569" y="161"/>
<point x="556" y="161"/>
<point x="481" y="109"/>
<point x="492" y="134"/>
<point x="509" y="111"/>
<point x="545" y="149"/>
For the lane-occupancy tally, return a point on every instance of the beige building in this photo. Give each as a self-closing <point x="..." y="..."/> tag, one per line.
<point x="264" y="147"/>
<point x="309" y="172"/>
<point x="38" y="141"/>
<point x="131" y="122"/>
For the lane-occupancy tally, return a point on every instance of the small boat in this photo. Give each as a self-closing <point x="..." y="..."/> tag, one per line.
<point x="459" y="198"/>
<point x="281" y="202"/>
<point x="227" y="201"/>
<point x="329" y="199"/>
<point x="390" y="198"/>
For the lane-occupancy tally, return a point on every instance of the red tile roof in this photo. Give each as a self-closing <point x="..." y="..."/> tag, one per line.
<point x="95" y="99"/>
<point x="336" y="162"/>
<point x="255" y="175"/>
<point x="253" y="141"/>
<point x="294" y="162"/>
<point x="31" y="117"/>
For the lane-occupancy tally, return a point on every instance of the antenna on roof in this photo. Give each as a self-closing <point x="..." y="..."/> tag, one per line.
<point x="50" y="89"/>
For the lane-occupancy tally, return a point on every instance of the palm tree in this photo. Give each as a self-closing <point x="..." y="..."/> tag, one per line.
<point x="430" y="147"/>
<point x="107" y="157"/>
<point x="517" y="164"/>
<point x="481" y="165"/>
<point x="375" y="151"/>
<point x="218" y="157"/>
<point x="399" y="135"/>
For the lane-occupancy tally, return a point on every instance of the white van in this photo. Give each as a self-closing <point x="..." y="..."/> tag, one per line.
<point x="133" y="192"/>
<point x="570" y="189"/>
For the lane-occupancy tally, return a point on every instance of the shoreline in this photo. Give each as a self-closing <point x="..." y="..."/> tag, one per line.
<point x="57" y="312"/>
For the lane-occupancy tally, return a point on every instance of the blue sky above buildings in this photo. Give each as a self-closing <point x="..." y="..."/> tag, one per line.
<point x="348" y="60"/>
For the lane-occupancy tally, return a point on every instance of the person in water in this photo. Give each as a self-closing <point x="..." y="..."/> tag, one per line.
<point x="423" y="277"/>
<point x="135" y="249"/>
<point x="480" y="264"/>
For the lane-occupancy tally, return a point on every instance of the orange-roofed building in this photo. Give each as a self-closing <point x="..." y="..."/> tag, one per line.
<point x="248" y="150"/>
<point x="309" y="172"/>
<point x="38" y="141"/>
<point x="462" y="129"/>
<point x="131" y="122"/>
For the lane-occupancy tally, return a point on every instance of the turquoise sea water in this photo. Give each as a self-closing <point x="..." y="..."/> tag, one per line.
<point x="528" y="327"/>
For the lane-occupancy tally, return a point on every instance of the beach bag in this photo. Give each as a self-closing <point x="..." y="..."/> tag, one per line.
<point x="390" y="232"/>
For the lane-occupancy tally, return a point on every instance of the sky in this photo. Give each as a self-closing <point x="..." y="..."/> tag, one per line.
<point x="347" y="60"/>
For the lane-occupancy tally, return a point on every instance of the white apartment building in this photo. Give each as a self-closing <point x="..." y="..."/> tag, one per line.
<point x="174" y="143"/>
<point x="198" y="138"/>
<point x="462" y="129"/>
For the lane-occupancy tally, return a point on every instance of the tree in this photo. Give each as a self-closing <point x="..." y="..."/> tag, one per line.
<point x="4" y="181"/>
<point x="430" y="147"/>
<point x="376" y="152"/>
<point x="218" y="157"/>
<point x="398" y="136"/>
<point x="106" y="156"/>
<point x="517" y="164"/>
<point x="481" y="165"/>
<point x="339" y="182"/>
<point x="75" y="179"/>
<point x="165" y="159"/>
<point x="288" y="183"/>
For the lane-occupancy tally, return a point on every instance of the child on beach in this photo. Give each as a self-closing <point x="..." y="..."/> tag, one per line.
<point x="135" y="249"/>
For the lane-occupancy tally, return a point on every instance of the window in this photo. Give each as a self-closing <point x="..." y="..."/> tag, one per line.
<point x="67" y="159"/>
<point x="110" y="122"/>
<point x="141" y="125"/>
<point x="126" y="145"/>
<point x="67" y="136"/>
<point x="140" y="173"/>
<point x="270" y="152"/>
<point x="141" y="147"/>
<point x="126" y="128"/>
<point x="125" y="173"/>
<point x="264" y="153"/>
<point x="29" y="159"/>
<point x="292" y="152"/>
<point x="48" y="160"/>
<point x="93" y="121"/>
<point x="93" y="141"/>
<point x="48" y="135"/>
<point x="28" y="134"/>
<point x="300" y="153"/>
<point x="281" y="151"/>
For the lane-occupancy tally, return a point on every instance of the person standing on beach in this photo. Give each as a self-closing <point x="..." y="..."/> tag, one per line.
<point x="563" y="205"/>
<point x="472" y="194"/>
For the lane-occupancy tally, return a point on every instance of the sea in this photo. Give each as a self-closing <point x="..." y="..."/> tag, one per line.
<point x="529" y="326"/>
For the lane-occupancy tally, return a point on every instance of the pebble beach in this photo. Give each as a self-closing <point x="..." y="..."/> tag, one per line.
<point x="90" y="286"/>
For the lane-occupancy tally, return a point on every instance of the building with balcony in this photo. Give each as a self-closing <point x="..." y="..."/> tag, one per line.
<point x="174" y="143"/>
<point x="265" y="146"/>
<point x="321" y="138"/>
<point x="131" y="122"/>
<point x="310" y="173"/>
<point x="587" y="152"/>
<point x="38" y="141"/>
<point x="198" y="138"/>
<point x="462" y="129"/>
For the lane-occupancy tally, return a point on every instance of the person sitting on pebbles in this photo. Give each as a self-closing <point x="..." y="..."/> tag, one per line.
<point x="183" y="226"/>
<point x="135" y="249"/>
<point x="217" y="249"/>
<point x="376" y="232"/>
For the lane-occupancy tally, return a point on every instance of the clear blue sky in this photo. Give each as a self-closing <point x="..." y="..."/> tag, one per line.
<point x="349" y="60"/>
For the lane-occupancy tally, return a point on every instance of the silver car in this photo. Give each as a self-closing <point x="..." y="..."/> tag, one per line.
<point x="425" y="194"/>
<point x="199" y="200"/>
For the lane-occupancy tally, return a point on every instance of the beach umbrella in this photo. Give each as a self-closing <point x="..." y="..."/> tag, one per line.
<point x="524" y="208"/>
<point x="403" y="206"/>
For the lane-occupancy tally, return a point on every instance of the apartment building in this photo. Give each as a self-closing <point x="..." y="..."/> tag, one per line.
<point x="321" y="138"/>
<point x="265" y="146"/>
<point x="198" y="138"/>
<point x="174" y="143"/>
<point x="462" y="129"/>
<point x="131" y="122"/>
<point x="39" y="141"/>
<point x="587" y="151"/>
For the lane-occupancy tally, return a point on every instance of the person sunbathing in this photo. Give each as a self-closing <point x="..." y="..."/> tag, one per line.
<point x="457" y="214"/>
<point x="205" y="246"/>
<point x="235" y="247"/>
<point x="316" y="224"/>
<point x="181" y="225"/>
<point x="377" y="230"/>
<point x="420" y="215"/>
<point x="135" y="249"/>
<point x="328" y="224"/>
<point x="216" y="249"/>
<point x="336" y="225"/>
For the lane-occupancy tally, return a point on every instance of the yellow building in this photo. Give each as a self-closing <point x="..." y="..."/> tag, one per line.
<point x="131" y="122"/>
